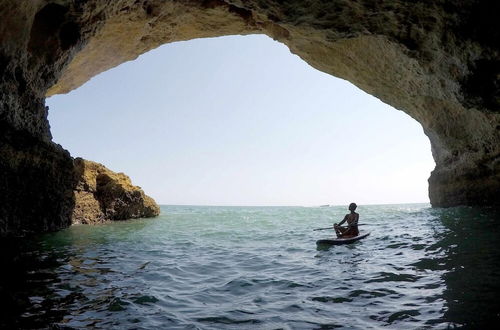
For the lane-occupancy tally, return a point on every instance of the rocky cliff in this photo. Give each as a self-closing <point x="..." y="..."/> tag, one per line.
<point x="437" y="60"/>
<point x="102" y="195"/>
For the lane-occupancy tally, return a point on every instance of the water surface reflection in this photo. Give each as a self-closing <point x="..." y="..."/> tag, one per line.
<point x="218" y="268"/>
<point x="468" y="252"/>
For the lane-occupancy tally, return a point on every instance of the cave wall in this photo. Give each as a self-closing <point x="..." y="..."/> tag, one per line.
<point x="436" y="60"/>
<point x="36" y="177"/>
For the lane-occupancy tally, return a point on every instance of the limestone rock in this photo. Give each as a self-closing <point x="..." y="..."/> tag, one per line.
<point x="438" y="61"/>
<point x="36" y="184"/>
<point x="101" y="195"/>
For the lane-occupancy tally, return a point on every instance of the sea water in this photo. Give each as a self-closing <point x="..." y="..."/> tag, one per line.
<point x="197" y="267"/>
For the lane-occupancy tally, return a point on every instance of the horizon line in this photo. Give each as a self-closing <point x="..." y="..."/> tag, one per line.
<point x="315" y="205"/>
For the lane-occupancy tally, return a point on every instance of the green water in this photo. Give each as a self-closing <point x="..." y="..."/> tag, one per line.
<point x="259" y="268"/>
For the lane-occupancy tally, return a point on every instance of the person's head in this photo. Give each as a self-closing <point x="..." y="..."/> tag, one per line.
<point x="352" y="207"/>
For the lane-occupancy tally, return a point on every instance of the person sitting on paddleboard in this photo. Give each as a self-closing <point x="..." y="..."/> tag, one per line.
<point x="352" y="224"/>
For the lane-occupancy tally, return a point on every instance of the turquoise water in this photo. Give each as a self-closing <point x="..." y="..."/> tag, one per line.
<point x="259" y="268"/>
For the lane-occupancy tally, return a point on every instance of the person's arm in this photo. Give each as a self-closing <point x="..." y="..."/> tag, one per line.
<point x="345" y="219"/>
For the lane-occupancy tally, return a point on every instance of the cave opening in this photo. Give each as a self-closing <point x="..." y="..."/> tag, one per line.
<point x="239" y="120"/>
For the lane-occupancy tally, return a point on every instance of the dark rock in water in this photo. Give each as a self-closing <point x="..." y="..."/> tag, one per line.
<point x="36" y="184"/>
<point x="101" y="194"/>
<point x="437" y="61"/>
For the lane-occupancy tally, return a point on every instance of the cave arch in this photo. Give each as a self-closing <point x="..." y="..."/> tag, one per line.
<point x="436" y="61"/>
<point x="277" y="127"/>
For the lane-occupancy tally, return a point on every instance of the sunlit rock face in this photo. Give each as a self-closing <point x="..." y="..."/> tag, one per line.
<point x="436" y="60"/>
<point x="101" y="195"/>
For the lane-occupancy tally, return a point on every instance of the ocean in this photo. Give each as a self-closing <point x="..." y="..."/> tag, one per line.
<point x="202" y="267"/>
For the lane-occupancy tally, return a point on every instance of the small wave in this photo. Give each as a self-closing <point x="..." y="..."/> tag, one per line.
<point x="402" y="315"/>
<point x="370" y="294"/>
<point x="328" y="299"/>
<point x="144" y="300"/>
<point x="392" y="277"/>
<point x="227" y="320"/>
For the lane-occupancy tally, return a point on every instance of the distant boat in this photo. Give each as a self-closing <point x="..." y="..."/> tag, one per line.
<point x="327" y="205"/>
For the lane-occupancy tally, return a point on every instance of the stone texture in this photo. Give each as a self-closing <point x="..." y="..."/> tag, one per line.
<point x="36" y="184"/>
<point x="438" y="61"/>
<point x="102" y="195"/>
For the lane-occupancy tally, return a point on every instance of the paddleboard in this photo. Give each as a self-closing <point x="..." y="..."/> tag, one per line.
<point x="339" y="241"/>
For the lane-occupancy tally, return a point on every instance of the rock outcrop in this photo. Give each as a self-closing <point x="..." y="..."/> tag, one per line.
<point x="438" y="61"/>
<point x="102" y="195"/>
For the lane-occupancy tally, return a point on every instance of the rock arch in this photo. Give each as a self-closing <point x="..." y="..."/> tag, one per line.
<point x="436" y="60"/>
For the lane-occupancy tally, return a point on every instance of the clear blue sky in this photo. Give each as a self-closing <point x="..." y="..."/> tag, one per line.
<point x="241" y="121"/>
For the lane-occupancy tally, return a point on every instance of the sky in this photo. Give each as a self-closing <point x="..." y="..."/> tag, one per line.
<point x="240" y="120"/>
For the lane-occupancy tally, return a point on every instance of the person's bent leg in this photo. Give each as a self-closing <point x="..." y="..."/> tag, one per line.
<point x="337" y="231"/>
<point x="341" y="231"/>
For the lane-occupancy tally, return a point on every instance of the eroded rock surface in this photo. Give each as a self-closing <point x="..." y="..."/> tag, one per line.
<point x="101" y="195"/>
<point x="438" y="61"/>
<point x="36" y="184"/>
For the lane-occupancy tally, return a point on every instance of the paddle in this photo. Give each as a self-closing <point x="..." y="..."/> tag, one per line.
<point x="362" y="224"/>
<point x="322" y="228"/>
